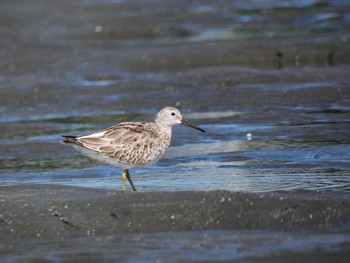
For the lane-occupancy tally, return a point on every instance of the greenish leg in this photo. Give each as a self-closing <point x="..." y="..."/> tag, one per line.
<point x="123" y="180"/>
<point x="125" y="176"/>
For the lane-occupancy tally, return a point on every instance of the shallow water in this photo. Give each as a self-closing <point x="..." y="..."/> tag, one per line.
<point x="268" y="80"/>
<point x="276" y="149"/>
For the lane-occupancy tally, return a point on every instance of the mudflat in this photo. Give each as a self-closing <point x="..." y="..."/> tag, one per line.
<point x="54" y="211"/>
<point x="37" y="221"/>
<point x="268" y="80"/>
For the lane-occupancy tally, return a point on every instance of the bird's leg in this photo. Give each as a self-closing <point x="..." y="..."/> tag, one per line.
<point x="129" y="179"/>
<point x="123" y="180"/>
<point x="125" y="176"/>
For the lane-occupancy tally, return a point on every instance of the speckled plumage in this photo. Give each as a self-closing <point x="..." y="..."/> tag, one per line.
<point x="132" y="144"/>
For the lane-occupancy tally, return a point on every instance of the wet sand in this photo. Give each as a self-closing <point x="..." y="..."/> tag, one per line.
<point x="63" y="215"/>
<point x="52" y="211"/>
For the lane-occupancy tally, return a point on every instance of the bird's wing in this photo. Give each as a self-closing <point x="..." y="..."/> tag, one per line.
<point x="116" y="139"/>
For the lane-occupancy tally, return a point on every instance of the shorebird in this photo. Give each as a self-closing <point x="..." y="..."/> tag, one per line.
<point x="131" y="144"/>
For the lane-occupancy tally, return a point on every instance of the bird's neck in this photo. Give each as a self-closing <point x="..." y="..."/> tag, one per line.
<point x="164" y="129"/>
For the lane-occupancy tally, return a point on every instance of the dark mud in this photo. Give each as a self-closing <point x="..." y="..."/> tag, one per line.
<point x="232" y="222"/>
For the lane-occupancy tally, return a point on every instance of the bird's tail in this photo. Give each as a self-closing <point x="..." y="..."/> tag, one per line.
<point x="69" y="139"/>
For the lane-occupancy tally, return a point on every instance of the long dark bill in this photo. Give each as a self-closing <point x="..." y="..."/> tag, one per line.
<point x="187" y="123"/>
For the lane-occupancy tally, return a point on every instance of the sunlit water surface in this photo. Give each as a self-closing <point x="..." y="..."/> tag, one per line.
<point x="249" y="157"/>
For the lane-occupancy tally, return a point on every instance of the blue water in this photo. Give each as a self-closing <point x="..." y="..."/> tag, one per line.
<point x="225" y="157"/>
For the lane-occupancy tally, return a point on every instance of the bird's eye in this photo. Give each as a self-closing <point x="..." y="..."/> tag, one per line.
<point x="173" y="113"/>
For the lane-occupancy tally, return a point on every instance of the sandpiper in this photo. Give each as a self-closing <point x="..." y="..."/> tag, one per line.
<point x="132" y="144"/>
